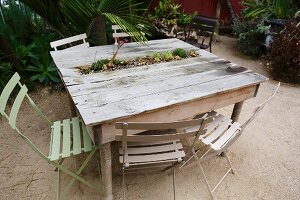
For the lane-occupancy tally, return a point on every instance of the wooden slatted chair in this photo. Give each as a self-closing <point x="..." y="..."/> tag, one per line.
<point x="117" y="34"/>
<point x="220" y="134"/>
<point x="203" y="24"/>
<point x="159" y="146"/>
<point x="69" y="40"/>
<point x="68" y="137"/>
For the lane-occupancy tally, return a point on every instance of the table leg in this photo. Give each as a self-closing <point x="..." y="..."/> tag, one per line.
<point x="235" y="114"/>
<point x="72" y="107"/>
<point x="237" y="111"/>
<point x="106" y="170"/>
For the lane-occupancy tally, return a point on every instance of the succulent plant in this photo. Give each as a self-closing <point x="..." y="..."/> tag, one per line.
<point x="180" y="52"/>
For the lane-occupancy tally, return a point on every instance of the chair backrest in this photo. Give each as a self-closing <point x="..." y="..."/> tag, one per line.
<point x="255" y="113"/>
<point x="204" y="23"/>
<point x="201" y="122"/>
<point x="77" y="38"/>
<point x="14" y="84"/>
<point x="117" y="34"/>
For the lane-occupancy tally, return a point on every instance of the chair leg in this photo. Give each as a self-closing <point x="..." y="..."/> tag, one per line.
<point x="174" y="185"/>
<point x="226" y="156"/>
<point x="206" y="180"/>
<point x="77" y="177"/>
<point x="58" y="185"/>
<point x="123" y="183"/>
<point x="59" y="162"/>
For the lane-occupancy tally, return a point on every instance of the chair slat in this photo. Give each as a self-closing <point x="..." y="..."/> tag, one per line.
<point x="68" y="40"/>
<point x="209" y="21"/>
<point x="76" y="136"/>
<point x="55" y="146"/>
<point x="152" y="149"/>
<point x="158" y="125"/>
<point x="218" y="132"/>
<point x="87" y="142"/>
<point x="149" y="143"/>
<point x="226" y="136"/>
<point x="66" y="138"/>
<point x="7" y="91"/>
<point x="16" y="106"/>
<point x="153" y="157"/>
<point x="202" y="27"/>
<point x="118" y="35"/>
<point x="213" y="125"/>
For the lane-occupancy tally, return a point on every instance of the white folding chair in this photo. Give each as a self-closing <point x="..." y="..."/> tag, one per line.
<point x="69" y="40"/>
<point x="220" y="134"/>
<point x="117" y="34"/>
<point x="155" y="147"/>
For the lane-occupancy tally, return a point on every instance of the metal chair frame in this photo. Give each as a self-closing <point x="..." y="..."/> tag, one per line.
<point x="222" y="147"/>
<point x="156" y="138"/>
<point x="55" y="157"/>
<point x="204" y="24"/>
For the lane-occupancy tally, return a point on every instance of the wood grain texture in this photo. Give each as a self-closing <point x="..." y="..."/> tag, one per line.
<point x="159" y="91"/>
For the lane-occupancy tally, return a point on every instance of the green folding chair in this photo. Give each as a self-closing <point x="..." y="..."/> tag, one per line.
<point x="64" y="142"/>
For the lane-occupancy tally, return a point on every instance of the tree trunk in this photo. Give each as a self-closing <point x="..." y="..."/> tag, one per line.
<point x="9" y="54"/>
<point x="98" y="32"/>
<point x="230" y="9"/>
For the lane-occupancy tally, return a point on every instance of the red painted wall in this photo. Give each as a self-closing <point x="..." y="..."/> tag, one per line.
<point x="207" y="8"/>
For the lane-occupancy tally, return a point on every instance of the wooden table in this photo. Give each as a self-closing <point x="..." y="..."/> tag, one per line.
<point x="161" y="92"/>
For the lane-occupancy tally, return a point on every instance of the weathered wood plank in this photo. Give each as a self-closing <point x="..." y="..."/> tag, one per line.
<point x="77" y="57"/>
<point x="155" y="69"/>
<point x="126" y="91"/>
<point x="140" y="104"/>
<point x="179" y="112"/>
<point x="152" y="79"/>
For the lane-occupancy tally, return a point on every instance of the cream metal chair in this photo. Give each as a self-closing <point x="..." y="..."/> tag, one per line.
<point x="69" y="40"/>
<point x="220" y="134"/>
<point x="68" y="137"/>
<point x="159" y="146"/>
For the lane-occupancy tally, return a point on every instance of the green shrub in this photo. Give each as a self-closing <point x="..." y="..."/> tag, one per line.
<point x="262" y="9"/>
<point x="251" y="37"/>
<point x="6" y="71"/>
<point x="180" y="52"/>
<point x="284" y="55"/>
<point x="100" y="65"/>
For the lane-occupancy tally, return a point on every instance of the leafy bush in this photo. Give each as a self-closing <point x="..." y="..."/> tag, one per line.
<point x="264" y="9"/>
<point x="167" y="17"/>
<point x="251" y="37"/>
<point x="6" y="71"/>
<point x="180" y="52"/>
<point x="27" y="39"/>
<point x="284" y="55"/>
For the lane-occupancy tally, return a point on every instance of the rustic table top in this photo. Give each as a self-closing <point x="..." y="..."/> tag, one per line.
<point x="114" y="95"/>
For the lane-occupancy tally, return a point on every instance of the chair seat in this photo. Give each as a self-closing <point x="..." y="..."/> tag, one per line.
<point x="219" y="132"/>
<point x="203" y="46"/>
<point x="199" y="45"/>
<point x="69" y="137"/>
<point x="152" y="152"/>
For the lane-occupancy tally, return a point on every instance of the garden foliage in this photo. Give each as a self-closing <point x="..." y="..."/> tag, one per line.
<point x="284" y="55"/>
<point x="251" y="36"/>
<point x="25" y="45"/>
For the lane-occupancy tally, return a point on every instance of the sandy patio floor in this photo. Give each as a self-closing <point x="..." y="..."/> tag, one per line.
<point x="266" y="158"/>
